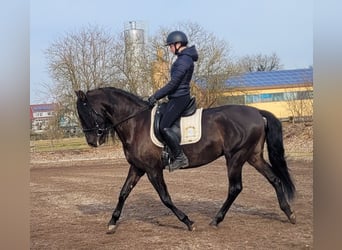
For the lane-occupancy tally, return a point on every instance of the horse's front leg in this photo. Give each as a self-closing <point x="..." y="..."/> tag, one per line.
<point x="158" y="182"/>
<point x="132" y="179"/>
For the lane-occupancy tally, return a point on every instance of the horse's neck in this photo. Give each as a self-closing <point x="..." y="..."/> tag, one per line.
<point x="126" y="125"/>
<point x="123" y="104"/>
<point x="124" y="109"/>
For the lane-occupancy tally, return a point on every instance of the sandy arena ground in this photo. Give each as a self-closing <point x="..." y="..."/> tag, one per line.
<point x="73" y="195"/>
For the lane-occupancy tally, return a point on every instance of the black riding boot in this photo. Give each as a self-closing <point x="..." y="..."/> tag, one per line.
<point x="171" y="139"/>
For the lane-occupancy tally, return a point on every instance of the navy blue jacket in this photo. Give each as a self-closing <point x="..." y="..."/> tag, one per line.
<point x="181" y="73"/>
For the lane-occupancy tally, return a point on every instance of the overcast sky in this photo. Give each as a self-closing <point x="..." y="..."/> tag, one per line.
<point x="250" y="27"/>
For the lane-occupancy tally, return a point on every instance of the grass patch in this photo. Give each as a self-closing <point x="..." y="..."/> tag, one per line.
<point x="58" y="144"/>
<point x="74" y="143"/>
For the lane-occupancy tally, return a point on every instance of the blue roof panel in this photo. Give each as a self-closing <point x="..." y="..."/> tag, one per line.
<point x="42" y="107"/>
<point x="271" y="78"/>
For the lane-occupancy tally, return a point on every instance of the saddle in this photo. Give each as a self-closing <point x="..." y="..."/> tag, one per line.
<point x="187" y="127"/>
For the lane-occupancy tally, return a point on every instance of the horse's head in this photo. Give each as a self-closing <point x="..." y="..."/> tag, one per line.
<point x="94" y="124"/>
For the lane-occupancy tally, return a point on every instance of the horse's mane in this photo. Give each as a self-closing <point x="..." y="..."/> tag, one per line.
<point x="132" y="97"/>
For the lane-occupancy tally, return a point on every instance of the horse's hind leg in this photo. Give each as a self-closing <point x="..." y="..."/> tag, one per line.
<point x="157" y="180"/>
<point x="132" y="179"/>
<point x="265" y="169"/>
<point x="235" y="185"/>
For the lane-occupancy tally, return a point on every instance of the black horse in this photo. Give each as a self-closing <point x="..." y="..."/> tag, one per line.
<point x="236" y="132"/>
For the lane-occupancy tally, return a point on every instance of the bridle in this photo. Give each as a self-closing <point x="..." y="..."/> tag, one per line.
<point x="100" y="131"/>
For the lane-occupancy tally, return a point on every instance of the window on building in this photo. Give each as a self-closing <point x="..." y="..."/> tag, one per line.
<point x="253" y="98"/>
<point x="266" y="97"/>
<point x="303" y="95"/>
<point x="290" y="96"/>
<point x="278" y="97"/>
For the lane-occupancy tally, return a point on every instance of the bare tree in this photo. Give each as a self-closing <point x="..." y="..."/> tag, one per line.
<point x="92" y="58"/>
<point x="82" y="60"/>
<point x="79" y="60"/>
<point x="300" y="104"/>
<point x="259" y="62"/>
<point x="87" y="59"/>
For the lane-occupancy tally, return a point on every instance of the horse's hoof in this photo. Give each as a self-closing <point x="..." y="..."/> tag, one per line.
<point x="292" y="218"/>
<point x="111" y="229"/>
<point x="191" y="227"/>
<point x="213" y="224"/>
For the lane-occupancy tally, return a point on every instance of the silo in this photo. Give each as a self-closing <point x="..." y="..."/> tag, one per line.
<point x="134" y="38"/>
<point x="135" y="61"/>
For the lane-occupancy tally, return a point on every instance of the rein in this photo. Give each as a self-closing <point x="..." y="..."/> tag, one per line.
<point x="101" y="130"/>
<point x="130" y="117"/>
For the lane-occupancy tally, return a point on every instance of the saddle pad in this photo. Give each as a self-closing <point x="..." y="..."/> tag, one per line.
<point x="190" y="127"/>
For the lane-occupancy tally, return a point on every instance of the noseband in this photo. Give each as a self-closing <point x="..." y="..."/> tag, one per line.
<point x="99" y="130"/>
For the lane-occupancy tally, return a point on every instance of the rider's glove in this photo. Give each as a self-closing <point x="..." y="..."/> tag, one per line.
<point x="151" y="101"/>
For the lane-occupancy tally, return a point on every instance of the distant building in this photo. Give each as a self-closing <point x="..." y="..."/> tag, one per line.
<point x="286" y="93"/>
<point x="41" y="115"/>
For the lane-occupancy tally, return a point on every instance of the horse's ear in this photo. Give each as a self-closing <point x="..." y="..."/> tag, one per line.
<point x="81" y="95"/>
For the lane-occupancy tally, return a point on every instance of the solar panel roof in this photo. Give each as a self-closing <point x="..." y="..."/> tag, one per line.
<point x="42" y="107"/>
<point x="271" y="78"/>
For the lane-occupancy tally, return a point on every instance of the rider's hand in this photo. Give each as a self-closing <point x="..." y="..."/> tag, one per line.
<point x="151" y="101"/>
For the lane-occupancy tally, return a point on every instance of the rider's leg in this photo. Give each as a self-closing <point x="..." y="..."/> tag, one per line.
<point x="171" y="139"/>
<point x="174" y="108"/>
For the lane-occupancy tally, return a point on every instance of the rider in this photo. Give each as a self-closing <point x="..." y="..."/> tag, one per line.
<point x="178" y="92"/>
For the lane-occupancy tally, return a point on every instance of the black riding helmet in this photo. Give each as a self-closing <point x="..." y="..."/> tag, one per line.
<point x="176" y="37"/>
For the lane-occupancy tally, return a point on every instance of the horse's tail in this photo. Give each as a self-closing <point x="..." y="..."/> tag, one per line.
<point x="275" y="147"/>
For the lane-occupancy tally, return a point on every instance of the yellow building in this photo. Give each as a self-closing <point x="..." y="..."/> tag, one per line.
<point x="286" y="93"/>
